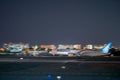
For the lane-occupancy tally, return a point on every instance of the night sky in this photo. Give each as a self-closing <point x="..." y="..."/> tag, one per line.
<point x="60" y="21"/>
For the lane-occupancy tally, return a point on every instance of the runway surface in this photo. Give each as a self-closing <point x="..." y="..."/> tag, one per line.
<point x="59" y="68"/>
<point x="22" y="60"/>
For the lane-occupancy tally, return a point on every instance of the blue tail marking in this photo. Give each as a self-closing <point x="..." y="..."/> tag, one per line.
<point x="106" y="48"/>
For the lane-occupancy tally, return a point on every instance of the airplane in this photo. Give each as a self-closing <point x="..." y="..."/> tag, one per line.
<point x="103" y="52"/>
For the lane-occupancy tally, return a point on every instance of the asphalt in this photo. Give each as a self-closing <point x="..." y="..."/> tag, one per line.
<point x="69" y="68"/>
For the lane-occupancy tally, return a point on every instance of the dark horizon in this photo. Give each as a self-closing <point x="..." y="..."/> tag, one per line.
<point x="60" y="21"/>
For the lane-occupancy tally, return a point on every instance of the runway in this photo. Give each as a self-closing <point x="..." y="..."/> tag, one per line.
<point x="72" y="68"/>
<point x="62" y="59"/>
<point x="54" y="61"/>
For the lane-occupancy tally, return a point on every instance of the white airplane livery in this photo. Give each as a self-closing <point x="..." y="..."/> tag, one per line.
<point x="65" y="52"/>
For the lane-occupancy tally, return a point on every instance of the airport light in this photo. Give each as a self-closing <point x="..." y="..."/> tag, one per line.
<point x="63" y="67"/>
<point x="21" y="58"/>
<point x="49" y="76"/>
<point x="58" y="77"/>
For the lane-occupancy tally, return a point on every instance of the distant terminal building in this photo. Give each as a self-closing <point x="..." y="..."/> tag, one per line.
<point x="15" y="47"/>
<point x="76" y="46"/>
<point x="89" y="46"/>
<point x="52" y="46"/>
<point x="98" y="47"/>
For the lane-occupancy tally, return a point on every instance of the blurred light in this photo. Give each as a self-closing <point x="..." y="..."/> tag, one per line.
<point x="49" y="76"/>
<point x="63" y="67"/>
<point x="21" y="58"/>
<point x="58" y="77"/>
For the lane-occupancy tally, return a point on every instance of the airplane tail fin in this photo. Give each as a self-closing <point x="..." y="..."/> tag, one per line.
<point x="106" y="48"/>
